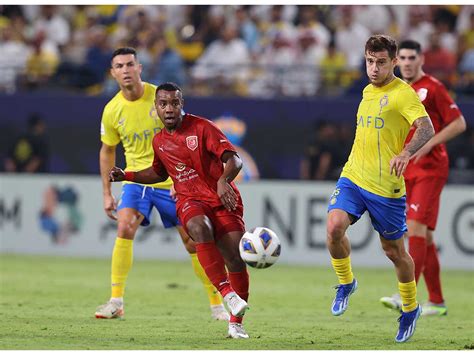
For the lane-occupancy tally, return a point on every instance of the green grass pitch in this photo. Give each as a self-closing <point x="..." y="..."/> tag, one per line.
<point x="49" y="303"/>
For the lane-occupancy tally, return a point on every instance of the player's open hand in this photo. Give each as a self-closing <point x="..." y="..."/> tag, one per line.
<point x="399" y="163"/>
<point x="227" y="195"/>
<point x="116" y="174"/>
<point x="110" y="206"/>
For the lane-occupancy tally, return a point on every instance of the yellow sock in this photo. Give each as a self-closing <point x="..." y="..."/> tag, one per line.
<point x="212" y="293"/>
<point x="343" y="270"/>
<point x="122" y="258"/>
<point x="408" y="295"/>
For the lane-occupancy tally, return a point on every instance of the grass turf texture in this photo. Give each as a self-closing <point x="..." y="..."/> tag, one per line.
<point x="49" y="303"/>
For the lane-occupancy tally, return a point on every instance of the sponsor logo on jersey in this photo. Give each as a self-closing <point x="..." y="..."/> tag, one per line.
<point x="192" y="142"/>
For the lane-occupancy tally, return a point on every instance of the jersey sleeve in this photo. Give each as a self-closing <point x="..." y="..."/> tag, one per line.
<point x="445" y="105"/>
<point x="215" y="140"/>
<point x="108" y="133"/>
<point x="410" y="106"/>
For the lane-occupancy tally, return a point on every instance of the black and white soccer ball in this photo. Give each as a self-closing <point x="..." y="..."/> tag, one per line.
<point x="260" y="247"/>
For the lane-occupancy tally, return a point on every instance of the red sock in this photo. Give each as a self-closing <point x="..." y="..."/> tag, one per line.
<point x="431" y="272"/>
<point x="213" y="264"/>
<point x="417" y="250"/>
<point x="240" y="283"/>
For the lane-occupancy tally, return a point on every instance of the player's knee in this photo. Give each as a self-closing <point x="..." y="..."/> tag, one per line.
<point x="235" y="263"/>
<point x="126" y="229"/>
<point x="336" y="228"/>
<point x="200" y="232"/>
<point x="393" y="253"/>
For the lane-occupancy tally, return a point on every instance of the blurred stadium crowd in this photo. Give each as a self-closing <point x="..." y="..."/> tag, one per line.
<point x="251" y="50"/>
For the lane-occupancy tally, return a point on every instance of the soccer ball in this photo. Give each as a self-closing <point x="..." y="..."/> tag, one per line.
<point x="260" y="247"/>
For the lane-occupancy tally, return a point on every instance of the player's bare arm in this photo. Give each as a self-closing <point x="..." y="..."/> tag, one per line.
<point x="106" y="162"/>
<point x="146" y="176"/>
<point x="226" y="193"/>
<point x="423" y="133"/>
<point x="452" y="130"/>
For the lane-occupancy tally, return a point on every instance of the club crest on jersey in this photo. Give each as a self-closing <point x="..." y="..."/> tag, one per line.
<point x="422" y="93"/>
<point x="383" y="102"/>
<point x="192" y="142"/>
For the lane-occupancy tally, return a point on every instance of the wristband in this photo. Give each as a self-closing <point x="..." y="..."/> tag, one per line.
<point x="129" y="176"/>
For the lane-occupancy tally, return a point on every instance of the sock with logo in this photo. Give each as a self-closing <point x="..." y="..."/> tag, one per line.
<point x="408" y="295"/>
<point x="212" y="293"/>
<point x="343" y="270"/>
<point x="122" y="258"/>
<point x="240" y="283"/>
<point x="417" y="250"/>
<point x="214" y="266"/>
<point x="431" y="272"/>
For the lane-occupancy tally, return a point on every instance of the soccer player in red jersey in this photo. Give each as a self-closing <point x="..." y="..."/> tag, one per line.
<point x="426" y="175"/>
<point x="202" y="164"/>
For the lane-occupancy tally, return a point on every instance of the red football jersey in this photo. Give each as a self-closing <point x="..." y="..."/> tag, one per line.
<point x="442" y="111"/>
<point x="192" y="158"/>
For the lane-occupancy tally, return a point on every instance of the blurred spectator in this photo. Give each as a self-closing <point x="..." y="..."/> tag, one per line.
<point x="309" y="23"/>
<point x="248" y="30"/>
<point x="29" y="153"/>
<point x="439" y="62"/>
<point x="350" y="37"/>
<point x="94" y="70"/>
<point x="275" y="26"/>
<point x="419" y="27"/>
<point x="333" y="71"/>
<point x="466" y="40"/>
<point x="322" y="160"/>
<point x="276" y="62"/>
<point x="376" y="18"/>
<point x="40" y="65"/>
<point x="54" y="25"/>
<point x="14" y="54"/>
<point x="305" y="78"/>
<point x="160" y="62"/>
<point x="466" y="56"/>
<point x="225" y="62"/>
<point x="445" y="22"/>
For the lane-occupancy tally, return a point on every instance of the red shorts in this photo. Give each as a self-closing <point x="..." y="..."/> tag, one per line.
<point x="222" y="220"/>
<point x="423" y="194"/>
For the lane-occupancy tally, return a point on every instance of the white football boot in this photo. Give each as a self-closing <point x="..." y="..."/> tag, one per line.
<point x="237" y="331"/>
<point x="218" y="312"/>
<point x="109" y="310"/>
<point x="236" y="305"/>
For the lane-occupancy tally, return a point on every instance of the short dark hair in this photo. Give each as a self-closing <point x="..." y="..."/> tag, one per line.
<point x="168" y="86"/>
<point x="410" y="44"/>
<point x="122" y="51"/>
<point x="379" y="43"/>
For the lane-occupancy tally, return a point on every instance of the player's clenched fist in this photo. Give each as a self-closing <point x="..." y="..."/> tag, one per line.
<point x="116" y="174"/>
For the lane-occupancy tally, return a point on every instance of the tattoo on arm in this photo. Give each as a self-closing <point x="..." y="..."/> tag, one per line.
<point x="424" y="132"/>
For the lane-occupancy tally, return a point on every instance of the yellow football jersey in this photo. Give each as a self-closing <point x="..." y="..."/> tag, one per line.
<point x="134" y="123"/>
<point x="384" y="118"/>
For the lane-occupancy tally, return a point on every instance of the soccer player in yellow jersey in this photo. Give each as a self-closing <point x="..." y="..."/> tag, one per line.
<point x="372" y="178"/>
<point x="130" y="118"/>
